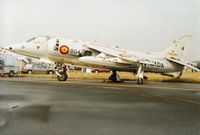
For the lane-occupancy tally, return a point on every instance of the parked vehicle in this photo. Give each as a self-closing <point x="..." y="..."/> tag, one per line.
<point x="8" y="65"/>
<point x="38" y="69"/>
<point x="100" y="71"/>
<point x="198" y="66"/>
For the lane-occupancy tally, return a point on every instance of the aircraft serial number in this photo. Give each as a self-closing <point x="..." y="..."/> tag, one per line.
<point x="75" y="51"/>
<point x="156" y="64"/>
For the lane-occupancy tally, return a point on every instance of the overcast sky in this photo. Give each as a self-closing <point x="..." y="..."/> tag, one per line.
<point x="140" y="25"/>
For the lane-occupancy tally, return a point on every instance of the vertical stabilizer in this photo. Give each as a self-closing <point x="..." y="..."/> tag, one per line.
<point x="179" y="48"/>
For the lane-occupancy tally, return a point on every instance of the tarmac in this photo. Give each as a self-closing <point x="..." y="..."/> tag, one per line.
<point x="85" y="107"/>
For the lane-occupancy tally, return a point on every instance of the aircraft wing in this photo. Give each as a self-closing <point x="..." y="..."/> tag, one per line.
<point x="182" y="63"/>
<point x="117" y="52"/>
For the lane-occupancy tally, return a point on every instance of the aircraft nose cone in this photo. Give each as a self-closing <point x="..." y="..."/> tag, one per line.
<point x="7" y="48"/>
<point x="13" y="47"/>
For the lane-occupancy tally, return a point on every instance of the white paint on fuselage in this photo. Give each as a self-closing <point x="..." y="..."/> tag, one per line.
<point x="46" y="49"/>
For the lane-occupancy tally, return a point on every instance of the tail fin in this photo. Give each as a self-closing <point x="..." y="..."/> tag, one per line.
<point x="179" y="48"/>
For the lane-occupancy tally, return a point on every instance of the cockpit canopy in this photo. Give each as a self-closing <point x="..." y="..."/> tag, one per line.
<point x="39" y="39"/>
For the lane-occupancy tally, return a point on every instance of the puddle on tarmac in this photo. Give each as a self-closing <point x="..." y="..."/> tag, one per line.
<point x="36" y="112"/>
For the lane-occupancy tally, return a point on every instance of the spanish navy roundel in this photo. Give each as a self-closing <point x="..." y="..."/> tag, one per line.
<point x="64" y="49"/>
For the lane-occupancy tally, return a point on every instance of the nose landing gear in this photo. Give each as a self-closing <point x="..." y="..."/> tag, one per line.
<point x="61" y="72"/>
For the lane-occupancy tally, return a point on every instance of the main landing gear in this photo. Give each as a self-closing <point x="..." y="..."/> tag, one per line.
<point x="114" y="77"/>
<point x="61" y="72"/>
<point x="140" y="74"/>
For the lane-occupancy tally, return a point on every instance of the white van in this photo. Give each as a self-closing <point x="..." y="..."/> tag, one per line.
<point x="8" y="65"/>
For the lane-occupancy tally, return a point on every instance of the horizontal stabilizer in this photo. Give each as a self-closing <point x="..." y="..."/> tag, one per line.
<point x="182" y="63"/>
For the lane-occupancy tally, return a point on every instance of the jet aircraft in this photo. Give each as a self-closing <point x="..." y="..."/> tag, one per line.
<point x="169" y="62"/>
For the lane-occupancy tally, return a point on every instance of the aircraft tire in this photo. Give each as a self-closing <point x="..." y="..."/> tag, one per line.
<point x="140" y="81"/>
<point x="113" y="78"/>
<point x="63" y="76"/>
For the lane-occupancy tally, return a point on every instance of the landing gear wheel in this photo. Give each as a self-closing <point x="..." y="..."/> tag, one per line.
<point x="140" y="81"/>
<point x="63" y="76"/>
<point x="114" y="77"/>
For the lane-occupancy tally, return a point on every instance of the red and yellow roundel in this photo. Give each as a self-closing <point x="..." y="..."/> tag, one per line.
<point x="64" y="49"/>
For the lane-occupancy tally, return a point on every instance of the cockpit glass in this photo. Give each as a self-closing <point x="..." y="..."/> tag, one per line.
<point x="41" y="39"/>
<point x="38" y="39"/>
<point x="30" y="40"/>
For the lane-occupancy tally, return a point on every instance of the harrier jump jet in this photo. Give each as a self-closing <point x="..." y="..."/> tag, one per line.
<point x="169" y="62"/>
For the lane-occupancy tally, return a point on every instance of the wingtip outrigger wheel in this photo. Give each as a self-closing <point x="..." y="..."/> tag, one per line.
<point x="140" y="81"/>
<point x="140" y="74"/>
<point x="61" y="73"/>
